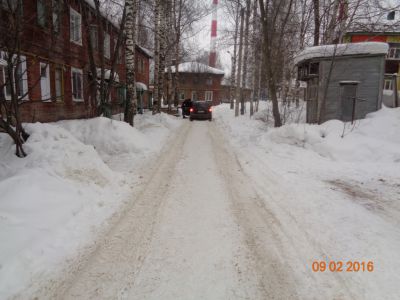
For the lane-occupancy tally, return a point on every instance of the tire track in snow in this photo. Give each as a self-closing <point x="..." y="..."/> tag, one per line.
<point x="110" y="270"/>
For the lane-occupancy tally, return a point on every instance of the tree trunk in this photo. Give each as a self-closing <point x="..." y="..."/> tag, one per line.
<point x="256" y="60"/>
<point x="162" y="56"/>
<point x="238" y="88"/>
<point x="246" y="53"/>
<point x="317" y="22"/>
<point x="156" y="56"/>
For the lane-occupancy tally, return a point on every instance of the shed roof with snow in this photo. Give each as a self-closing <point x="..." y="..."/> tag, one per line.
<point x="367" y="48"/>
<point x="344" y="81"/>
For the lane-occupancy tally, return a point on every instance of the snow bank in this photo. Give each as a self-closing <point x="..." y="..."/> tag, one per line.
<point x="55" y="201"/>
<point x="334" y="198"/>
<point x="341" y="50"/>
<point x="374" y="139"/>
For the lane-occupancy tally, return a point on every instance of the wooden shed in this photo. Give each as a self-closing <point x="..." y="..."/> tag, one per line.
<point x="344" y="81"/>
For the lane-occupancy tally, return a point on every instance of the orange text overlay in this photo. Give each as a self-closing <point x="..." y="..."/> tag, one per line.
<point x="342" y="266"/>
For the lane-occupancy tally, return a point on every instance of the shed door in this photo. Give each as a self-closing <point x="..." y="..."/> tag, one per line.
<point x="312" y="100"/>
<point x="349" y="94"/>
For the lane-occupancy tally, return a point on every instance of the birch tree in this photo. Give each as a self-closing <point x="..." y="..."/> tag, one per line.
<point x="238" y="81"/>
<point x="130" y="29"/>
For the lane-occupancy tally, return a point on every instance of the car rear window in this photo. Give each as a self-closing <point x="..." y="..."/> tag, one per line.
<point x="202" y="104"/>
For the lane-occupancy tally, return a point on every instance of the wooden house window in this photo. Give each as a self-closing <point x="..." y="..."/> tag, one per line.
<point x="59" y="84"/>
<point x="75" y="24"/>
<point x="394" y="53"/>
<point x="12" y="5"/>
<point x="45" y="81"/>
<point x="121" y="94"/>
<point x="107" y="45"/>
<point x="77" y="84"/>
<point x="388" y="85"/>
<point x="57" y="8"/>
<point x="94" y="37"/>
<point x="314" y="68"/>
<point x="41" y="13"/>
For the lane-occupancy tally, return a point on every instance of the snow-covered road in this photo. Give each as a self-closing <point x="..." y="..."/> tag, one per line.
<point x="180" y="239"/>
<point x="202" y="225"/>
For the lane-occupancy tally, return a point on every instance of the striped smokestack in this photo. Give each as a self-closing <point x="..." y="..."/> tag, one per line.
<point x="213" y="48"/>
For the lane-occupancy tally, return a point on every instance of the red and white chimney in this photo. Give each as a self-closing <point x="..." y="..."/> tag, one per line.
<point x="213" y="47"/>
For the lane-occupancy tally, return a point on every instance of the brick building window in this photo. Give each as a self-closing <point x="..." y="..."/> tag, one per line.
<point x="77" y="84"/>
<point x="75" y="26"/>
<point x="209" y="96"/>
<point x="181" y="95"/>
<point x="41" y="13"/>
<point x="194" y="96"/>
<point x="209" y="81"/>
<point x="107" y="45"/>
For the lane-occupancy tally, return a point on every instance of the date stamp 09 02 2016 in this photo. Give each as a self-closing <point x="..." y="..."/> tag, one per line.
<point x="342" y="266"/>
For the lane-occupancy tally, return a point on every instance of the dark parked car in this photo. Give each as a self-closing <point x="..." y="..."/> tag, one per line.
<point x="201" y="110"/>
<point x="186" y="105"/>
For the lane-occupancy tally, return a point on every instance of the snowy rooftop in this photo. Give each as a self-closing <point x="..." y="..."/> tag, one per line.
<point x="342" y="50"/>
<point x="196" y="67"/>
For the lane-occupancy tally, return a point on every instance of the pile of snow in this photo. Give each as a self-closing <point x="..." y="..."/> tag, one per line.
<point x="374" y="139"/>
<point x="333" y="191"/>
<point x="57" y="199"/>
<point x="196" y="67"/>
<point x="367" y="48"/>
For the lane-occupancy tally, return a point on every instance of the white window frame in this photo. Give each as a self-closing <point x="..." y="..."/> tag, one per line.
<point x="107" y="45"/>
<point x="80" y="71"/>
<point x="197" y="96"/>
<point x="94" y="36"/>
<point x="394" y="53"/>
<point x="3" y="64"/>
<point x="390" y="81"/>
<point x="208" y="94"/>
<point x="72" y="15"/>
<point x="45" y="90"/>
<point x="60" y="97"/>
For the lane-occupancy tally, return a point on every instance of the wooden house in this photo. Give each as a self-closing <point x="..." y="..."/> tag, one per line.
<point x="55" y="60"/>
<point x="344" y="81"/>
<point x="392" y="62"/>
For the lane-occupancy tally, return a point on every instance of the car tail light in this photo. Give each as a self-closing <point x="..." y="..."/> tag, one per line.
<point x="210" y="110"/>
<point x="191" y="110"/>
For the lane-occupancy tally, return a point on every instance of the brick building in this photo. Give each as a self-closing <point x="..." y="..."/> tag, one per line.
<point x="199" y="82"/>
<point x="55" y="59"/>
